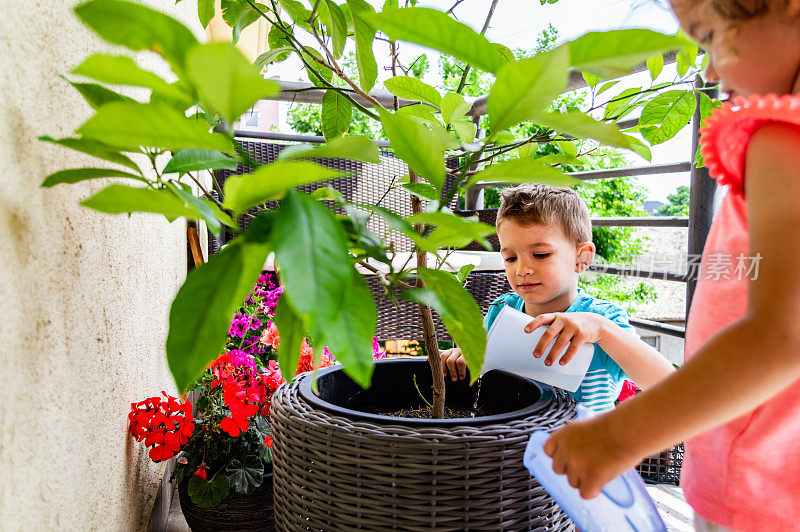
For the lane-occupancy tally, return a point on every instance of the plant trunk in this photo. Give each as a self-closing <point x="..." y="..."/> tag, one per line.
<point x="428" y="328"/>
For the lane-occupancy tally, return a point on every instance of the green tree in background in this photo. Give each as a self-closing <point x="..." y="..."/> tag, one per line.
<point x="678" y="203"/>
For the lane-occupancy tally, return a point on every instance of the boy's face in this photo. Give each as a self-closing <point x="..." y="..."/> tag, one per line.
<point x="541" y="263"/>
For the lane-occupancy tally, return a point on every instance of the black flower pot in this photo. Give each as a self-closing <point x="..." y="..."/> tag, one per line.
<point x="338" y="465"/>
<point x="252" y="512"/>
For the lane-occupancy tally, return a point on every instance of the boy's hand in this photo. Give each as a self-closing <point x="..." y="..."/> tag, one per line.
<point x="453" y="362"/>
<point x="566" y="328"/>
<point x="590" y="453"/>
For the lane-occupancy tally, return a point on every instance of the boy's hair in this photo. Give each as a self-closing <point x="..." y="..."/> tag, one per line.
<point x="545" y="204"/>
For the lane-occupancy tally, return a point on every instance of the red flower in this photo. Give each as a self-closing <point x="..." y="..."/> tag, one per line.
<point x="165" y="424"/>
<point x="234" y="426"/>
<point x="268" y="441"/>
<point x="201" y="472"/>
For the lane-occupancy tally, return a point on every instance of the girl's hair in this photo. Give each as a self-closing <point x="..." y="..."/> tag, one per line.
<point x="545" y="204"/>
<point x="731" y="10"/>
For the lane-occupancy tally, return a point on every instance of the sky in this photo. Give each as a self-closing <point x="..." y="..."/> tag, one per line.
<point x="517" y="23"/>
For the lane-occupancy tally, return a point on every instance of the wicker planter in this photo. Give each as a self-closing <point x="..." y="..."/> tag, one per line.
<point x="340" y="468"/>
<point x="252" y="512"/>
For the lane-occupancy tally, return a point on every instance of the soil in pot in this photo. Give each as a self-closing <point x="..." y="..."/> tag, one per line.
<point x="252" y="512"/>
<point x="401" y="392"/>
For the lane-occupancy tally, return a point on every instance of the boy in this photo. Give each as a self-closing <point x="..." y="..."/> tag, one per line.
<point x="545" y="238"/>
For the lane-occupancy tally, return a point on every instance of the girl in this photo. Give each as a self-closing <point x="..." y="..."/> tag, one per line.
<point x="736" y="401"/>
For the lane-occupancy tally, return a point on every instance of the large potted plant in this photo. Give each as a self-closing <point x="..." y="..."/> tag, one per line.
<point x="184" y="129"/>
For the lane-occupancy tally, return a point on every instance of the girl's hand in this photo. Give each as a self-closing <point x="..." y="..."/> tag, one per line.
<point x="453" y="362"/>
<point x="590" y="453"/>
<point x="567" y="328"/>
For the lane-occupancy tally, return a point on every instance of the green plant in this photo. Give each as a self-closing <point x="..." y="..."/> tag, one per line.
<point x="325" y="296"/>
<point x="678" y="203"/>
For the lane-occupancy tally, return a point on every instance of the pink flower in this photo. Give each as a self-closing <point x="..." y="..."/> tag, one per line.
<point x="628" y="390"/>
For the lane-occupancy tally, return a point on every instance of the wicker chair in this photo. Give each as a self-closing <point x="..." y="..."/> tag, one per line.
<point x="368" y="184"/>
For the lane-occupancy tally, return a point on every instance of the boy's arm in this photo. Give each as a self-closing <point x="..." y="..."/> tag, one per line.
<point x="742" y="366"/>
<point x="644" y="365"/>
<point x="570" y="330"/>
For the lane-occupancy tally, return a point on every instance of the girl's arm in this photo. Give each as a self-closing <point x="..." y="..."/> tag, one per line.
<point x="742" y="366"/>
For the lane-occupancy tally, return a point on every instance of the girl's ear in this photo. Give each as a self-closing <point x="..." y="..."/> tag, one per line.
<point x="584" y="255"/>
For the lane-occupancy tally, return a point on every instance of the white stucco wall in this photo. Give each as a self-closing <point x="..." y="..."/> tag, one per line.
<point x="84" y="298"/>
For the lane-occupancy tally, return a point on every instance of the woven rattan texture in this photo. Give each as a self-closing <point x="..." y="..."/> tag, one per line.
<point x="332" y="473"/>
<point x="664" y="467"/>
<point x="399" y="320"/>
<point x="363" y="183"/>
<point x="242" y="513"/>
<point x="487" y="216"/>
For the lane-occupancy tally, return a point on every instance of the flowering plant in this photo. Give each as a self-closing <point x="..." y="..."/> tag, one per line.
<point x="226" y="443"/>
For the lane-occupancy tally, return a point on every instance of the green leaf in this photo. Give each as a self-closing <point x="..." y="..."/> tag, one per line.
<point x="271" y="182"/>
<point x="117" y="199"/>
<point x="622" y="103"/>
<point x="337" y="28"/>
<point x="245" y="475"/>
<point x="460" y="315"/>
<point x="97" y="95"/>
<point x="224" y="77"/>
<point x="434" y="29"/>
<point x="205" y="11"/>
<point x="139" y="28"/>
<point x="121" y="70"/>
<point x="337" y="112"/>
<point x="311" y="250"/>
<point x="590" y="79"/>
<point x="526" y="87"/>
<point x="686" y="58"/>
<point x="667" y="113"/>
<point x="466" y="130"/>
<point x="191" y="159"/>
<point x="707" y="105"/>
<point x="292" y="328"/>
<point x="523" y="171"/>
<point x="422" y="190"/>
<point x="349" y="147"/>
<point x="202" y="309"/>
<point x="453" y="107"/>
<point x="200" y="206"/>
<point x="610" y="54"/>
<point x="655" y="65"/>
<point x="405" y="135"/>
<point x="413" y="89"/>
<point x="297" y="12"/>
<point x="95" y="149"/>
<point x="349" y="334"/>
<point x="606" y="86"/>
<point x="263" y="60"/>
<point x="583" y="126"/>
<point x="135" y="124"/>
<point x="239" y="14"/>
<point x="422" y="112"/>
<point x="278" y="41"/>
<point x="464" y="272"/>
<point x="207" y="493"/>
<point x="505" y="51"/>
<point x="452" y="230"/>
<point x="365" y="29"/>
<point x="325" y="74"/>
<point x="82" y="174"/>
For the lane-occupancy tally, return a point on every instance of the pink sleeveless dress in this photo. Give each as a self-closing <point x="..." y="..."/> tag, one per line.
<point x="744" y="475"/>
